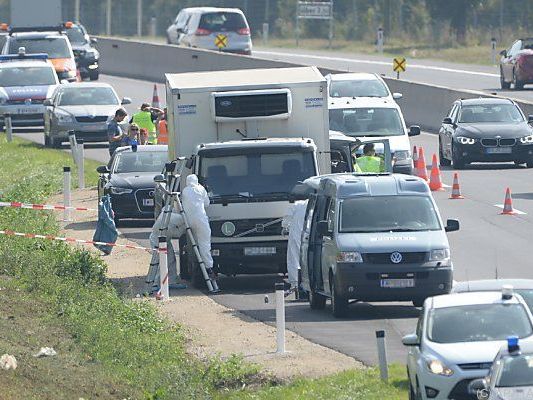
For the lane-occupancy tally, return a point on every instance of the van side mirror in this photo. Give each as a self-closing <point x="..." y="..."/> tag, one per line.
<point x="452" y="225"/>
<point x="94" y="40"/>
<point x="47" y="103"/>
<point x="447" y="121"/>
<point x="397" y="96"/>
<point x="159" y="178"/>
<point x="125" y="100"/>
<point x="414" y="130"/>
<point x="323" y="228"/>
<point x="476" y="386"/>
<point x="411" y="340"/>
<point x="102" y="169"/>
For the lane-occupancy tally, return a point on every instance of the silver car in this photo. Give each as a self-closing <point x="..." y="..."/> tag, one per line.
<point x="83" y="108"/>
<point x="220" y="29"/>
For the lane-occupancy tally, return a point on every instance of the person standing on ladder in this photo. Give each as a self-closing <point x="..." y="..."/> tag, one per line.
<point x="146" y="118"/>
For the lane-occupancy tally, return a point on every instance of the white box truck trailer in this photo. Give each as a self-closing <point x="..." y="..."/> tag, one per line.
<point x="31" y="13"/>
<point x="251" y="136"/>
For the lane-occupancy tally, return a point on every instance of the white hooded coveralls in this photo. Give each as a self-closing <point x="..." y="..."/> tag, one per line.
<point x="195" y="199"/>
<point x="294" y="221"/>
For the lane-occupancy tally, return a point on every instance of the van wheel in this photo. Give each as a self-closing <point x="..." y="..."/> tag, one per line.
<point x="316" y="300"/>
<point x="339" y="304"/>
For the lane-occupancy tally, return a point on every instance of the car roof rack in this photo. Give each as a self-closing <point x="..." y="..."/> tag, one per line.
<point x="23" y="57"/>
<point x="57" y="28"/>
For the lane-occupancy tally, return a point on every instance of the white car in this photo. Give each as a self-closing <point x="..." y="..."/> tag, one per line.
<point x="375" y="118"/>
<point x="457" y="337"/>
<point x="359" y="84"/>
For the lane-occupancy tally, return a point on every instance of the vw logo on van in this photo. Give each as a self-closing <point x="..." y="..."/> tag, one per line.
<point x="228" y="228"/>
<point x="226" y="103"/>
<point x="396" y="257"/>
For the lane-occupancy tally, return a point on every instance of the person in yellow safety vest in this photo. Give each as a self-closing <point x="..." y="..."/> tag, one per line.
<point x="369" y="162"/>
<point x="145" y="119"/>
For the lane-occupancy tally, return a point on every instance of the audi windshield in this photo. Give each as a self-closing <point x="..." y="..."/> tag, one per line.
<point x="366" y="121"/>
<point x="140" y="161"/>
<point x="388" y="214"/>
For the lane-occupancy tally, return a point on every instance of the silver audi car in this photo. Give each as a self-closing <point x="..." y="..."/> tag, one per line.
<point x="83" y="108"/>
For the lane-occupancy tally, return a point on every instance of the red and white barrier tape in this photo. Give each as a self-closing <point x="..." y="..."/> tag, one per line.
<point x="16" y="204"/>
<point x="71" y="240"/>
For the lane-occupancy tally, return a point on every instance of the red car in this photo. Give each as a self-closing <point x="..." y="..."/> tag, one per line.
<point x="516" y="64"/>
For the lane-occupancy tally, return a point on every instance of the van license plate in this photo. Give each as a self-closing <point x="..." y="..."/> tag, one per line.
<point x="499" y="150"/>
<point x="397" y="283"/>
<point x="148" y="202"/>
<point x="27" y="111"/>
<point x="259" y="251"/>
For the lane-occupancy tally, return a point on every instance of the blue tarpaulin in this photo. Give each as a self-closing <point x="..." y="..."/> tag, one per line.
<point x="106" y="231"/>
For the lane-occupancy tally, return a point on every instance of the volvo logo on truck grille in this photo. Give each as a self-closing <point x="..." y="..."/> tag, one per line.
<point x="396" y="257"/>
<point x="228" y="228"/>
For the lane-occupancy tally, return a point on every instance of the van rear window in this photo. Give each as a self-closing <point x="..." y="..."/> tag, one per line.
<point x="222" y="22"/>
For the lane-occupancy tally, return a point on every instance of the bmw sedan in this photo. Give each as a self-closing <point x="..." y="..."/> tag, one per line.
<point x="83" y="108"/>
<point x="485" y="130"/>
<point x="129" y="180"/>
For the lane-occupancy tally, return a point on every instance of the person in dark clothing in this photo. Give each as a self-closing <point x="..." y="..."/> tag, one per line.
<point x="114" y="131"/>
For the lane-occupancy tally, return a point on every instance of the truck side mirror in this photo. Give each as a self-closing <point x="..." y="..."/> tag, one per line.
<point x="323" y="228"/>
<point x="102" y="169"/>
<point x="159" y="178"/>
<point x="189" y="163"/>
<point x="452" y="225"/>
<point x="414" y="130"/>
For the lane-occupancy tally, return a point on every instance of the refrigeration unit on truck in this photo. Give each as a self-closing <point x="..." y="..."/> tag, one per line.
<point x="251" y="136"/>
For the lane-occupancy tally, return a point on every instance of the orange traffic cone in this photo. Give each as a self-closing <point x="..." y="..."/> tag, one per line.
<point x="155" y="97"/>
<point x="435" y="181"/>
<point x="456" y="191"/>
<point x="508" y="203"/>
<point x="421" y="170"/>
<point x="415" y="158"/>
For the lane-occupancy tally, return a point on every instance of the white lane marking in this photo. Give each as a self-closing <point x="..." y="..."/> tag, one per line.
<point x="514" y="209"/>
<point x="354" y="60"/>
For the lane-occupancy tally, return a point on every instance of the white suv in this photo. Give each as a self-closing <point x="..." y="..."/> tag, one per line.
<point x="457" y="337"/>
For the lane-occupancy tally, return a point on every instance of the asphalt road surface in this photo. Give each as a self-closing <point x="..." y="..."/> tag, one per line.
<point x="449" y="74"/>
<point x="487" y="245"/>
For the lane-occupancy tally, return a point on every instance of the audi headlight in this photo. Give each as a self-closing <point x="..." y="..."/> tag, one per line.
<point x="401" y="155"/>
<point x="65" y="118"/>
<point x="465" y="140"/>
<point x="119" y="190"/>
<point x="349" y="257"/>
<point x="437" y="367"/>
<point x="526" y="139"/>
<point x="439" y="254"/>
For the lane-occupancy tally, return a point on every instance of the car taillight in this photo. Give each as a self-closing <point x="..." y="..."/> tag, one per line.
<point x="202" y="32"/>
<point x="244" y="31"/>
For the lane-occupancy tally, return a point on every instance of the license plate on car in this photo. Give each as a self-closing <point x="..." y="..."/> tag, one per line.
<point x="148" y="202"/>
<point x="93" y="127"/>
<point x="26" y="111"/>
<point x="499" y="150"/>
<point x="259" y="251"/>
<point x="397" y="283"/>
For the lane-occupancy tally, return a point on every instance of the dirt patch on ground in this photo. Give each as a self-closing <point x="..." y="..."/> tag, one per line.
<point x="211" y="327"/>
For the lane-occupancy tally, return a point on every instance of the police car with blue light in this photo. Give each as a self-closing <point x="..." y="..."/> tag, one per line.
<point x="457" y="337"/>
<point x="26" y="81"/>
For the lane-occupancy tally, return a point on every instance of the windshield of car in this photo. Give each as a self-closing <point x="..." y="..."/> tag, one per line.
<point x="388" y="214"/>
<point x="27" y="76"/>
<point x="84" y="96"/>
<point x="55" y="47"/>
<point x="366" y="121"/>
<point x="256" y="175"/>
<point x="140" y="161"/>
<point x="478" y="323"/>
<point x="516" y="371"/>
<point x="76" y="35"/>
<point x="490" y="113"/>
<point x="355" y="88"/>
<point x="222" y="21"/>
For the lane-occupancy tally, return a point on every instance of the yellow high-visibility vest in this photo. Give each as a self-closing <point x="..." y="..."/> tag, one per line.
<point x="144" y="120"/>
<point x="370" y="164"/>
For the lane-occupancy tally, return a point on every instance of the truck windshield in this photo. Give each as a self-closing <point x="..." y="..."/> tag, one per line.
<point x="256" y="175"/>
<point x="366" y="121"/>
<point x="388" y="214"/>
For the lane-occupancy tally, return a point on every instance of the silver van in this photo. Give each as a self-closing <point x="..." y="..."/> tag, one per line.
<point x="373" y="238"/>
<point x="212" y="28"/>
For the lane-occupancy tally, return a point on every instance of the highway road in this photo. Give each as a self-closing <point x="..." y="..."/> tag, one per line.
<point x="487" y="245"/>
<point x="449" y="74"/>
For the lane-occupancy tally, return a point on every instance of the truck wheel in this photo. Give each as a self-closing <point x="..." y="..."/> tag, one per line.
<point x="316" y="300"/>
<point x="339" y="304"/>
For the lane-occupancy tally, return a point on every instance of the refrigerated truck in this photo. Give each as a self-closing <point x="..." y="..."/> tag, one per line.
<point x="250" y="136"/>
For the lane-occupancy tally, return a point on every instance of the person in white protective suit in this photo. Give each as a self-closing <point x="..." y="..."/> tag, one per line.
<point x="294" y="222"/>
<point x="195" y="199"/>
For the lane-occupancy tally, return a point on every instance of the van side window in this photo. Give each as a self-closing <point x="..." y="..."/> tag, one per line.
<point x="331" y="215"/>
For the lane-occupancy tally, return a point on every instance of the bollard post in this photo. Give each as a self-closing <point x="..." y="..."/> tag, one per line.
<point x="382" y="356"/>
<point x="81" y="163"/>
<point x="280" y="317"/>
<point x="73" y="146"/>
<point x="379" y="41"/>
<point x="67" y="200"/>
<point x="493" y="50"/>
<point x="163" y="269"/>
<point x="265" y="33"/>
<point x="153" y="27"/>
<point x="9" y="127"/>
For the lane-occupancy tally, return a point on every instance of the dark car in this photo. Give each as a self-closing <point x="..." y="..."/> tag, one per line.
<point x="129" y="180"/>
<point x="516" y="64"/>
<point x="485" y="130"/>
<point x="87" y="57"/>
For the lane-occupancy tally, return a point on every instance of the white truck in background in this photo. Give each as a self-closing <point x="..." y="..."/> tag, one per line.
<point x="30" y="13"/>
<point x="251" y="136"/>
